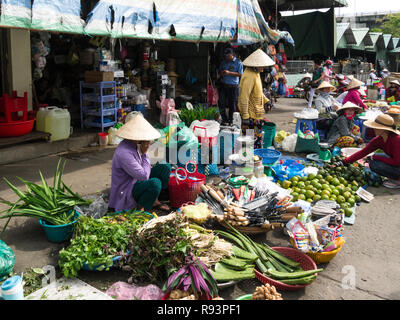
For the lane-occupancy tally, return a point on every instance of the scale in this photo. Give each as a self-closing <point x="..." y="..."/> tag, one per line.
<point x="324" y="154"/>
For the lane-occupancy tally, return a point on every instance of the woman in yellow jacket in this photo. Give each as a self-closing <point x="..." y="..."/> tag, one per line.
<point x="251" y="99"/>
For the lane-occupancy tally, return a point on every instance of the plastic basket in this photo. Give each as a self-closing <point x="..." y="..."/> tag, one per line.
<point x="59" y="233"/>
<point x="269" y="156"/>
<point x="184" y="186"/>
<point x="305" y="262"/>
<point x="321" y="257"/>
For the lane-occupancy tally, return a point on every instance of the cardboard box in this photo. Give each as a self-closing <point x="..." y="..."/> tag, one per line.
<point x="372" y="93"/>
<point x="393" y="76"/>
<point x="98" y="76"/>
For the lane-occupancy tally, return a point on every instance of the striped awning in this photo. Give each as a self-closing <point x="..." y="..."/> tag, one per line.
<point x="57" y="15"/>
<point x="238" y="21"/>
<point x="16" y="13"/>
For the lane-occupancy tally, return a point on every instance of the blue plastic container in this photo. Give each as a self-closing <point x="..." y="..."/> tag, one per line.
<point x="59" y="233"/>
<point x="115" y="260"/>
<point x="269" y="156"/>
<point x="12" y="289"/>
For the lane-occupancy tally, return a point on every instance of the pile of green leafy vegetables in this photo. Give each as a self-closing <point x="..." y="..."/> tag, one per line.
<point x="97" y="241"/>
<point x="158" y="249"/>
<point x="199" y="112"/>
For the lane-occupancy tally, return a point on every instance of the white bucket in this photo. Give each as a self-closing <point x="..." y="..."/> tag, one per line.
<point x="12" y="289"/>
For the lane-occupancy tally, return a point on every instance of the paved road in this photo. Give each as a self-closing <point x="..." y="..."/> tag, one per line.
<point x="366" y="268"/>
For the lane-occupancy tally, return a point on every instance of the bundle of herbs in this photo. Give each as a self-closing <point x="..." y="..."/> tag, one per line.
<point x="97" y="241"/>
<point x="199" y="112"/>
<point x="53" y="204"/>
<point x="158" y="248"/>
<point x="193" y="275"/>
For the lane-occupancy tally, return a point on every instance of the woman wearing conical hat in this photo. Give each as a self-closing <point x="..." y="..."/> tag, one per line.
<point x="251" y="96"/>
<point x="344" y="133"/>
<point x="134" y="184"/>
<point x="393" y="90"/>
<point x="387" y="139"/>
<point x="251" y="99"/>
<point x="325" y="103"/>
<point x="354" y="95"/>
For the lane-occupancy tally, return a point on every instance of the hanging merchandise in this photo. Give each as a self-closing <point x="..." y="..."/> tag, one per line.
<point x="73" y="56"/>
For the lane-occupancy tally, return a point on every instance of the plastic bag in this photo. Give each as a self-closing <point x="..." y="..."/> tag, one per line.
<point x="289" y="143"/>
<point x="125" y="291"/>
<point x="97" y="209"/>
<point x="113" y="139"/>
<point x="211" y="128"/>
<point x="7" y="260"/>
<point x="307" y="113"/>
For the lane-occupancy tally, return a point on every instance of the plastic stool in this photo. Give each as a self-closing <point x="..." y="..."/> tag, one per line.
<point x="306" y="124"/>
<point x="10" y="107"/>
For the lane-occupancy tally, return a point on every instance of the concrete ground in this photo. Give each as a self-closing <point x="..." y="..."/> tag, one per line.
<point x="366" y="268"/>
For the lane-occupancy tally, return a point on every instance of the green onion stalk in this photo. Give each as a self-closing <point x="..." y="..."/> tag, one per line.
<point x="53" y="204"/>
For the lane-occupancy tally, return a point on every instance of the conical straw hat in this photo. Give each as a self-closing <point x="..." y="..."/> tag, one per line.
<point x="138" y="129"/>
<point x="384" y="122"/>
<point x="395" y="82"/>
<point x="258" y="59"/>
<point x="349" y="105"/>
<point x="325" y="84"/>
<point x="354" y="83"/>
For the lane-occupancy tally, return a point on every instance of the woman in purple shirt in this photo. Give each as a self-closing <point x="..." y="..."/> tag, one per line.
<point x="134" y="184"/>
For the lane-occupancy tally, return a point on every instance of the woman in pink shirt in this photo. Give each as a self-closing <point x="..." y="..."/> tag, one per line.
<point x="387" y="139"/>
<point x="328" y="71"/>
<point x="354" y="95"/>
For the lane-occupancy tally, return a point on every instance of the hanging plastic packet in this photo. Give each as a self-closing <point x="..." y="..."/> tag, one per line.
<point x="299" y="234"/>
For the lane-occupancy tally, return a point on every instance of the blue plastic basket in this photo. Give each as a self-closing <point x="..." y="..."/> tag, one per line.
<point x="269" y="156"/>
<point x="59" y="233"/>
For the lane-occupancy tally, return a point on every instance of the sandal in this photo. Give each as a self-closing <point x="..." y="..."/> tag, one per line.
<point x="391" y="184"/>
<point x="162" y="207"/>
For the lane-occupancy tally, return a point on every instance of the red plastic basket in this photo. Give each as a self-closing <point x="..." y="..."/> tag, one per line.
<point x="187" y="189"/>
<point x="305" y="262"/>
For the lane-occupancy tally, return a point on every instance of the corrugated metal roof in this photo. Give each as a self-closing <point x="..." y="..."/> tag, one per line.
<point x="340" y="29"/>
<point x="377" y="41"/>
<point x="397" y="50"/>
<point x="360" y="34"/>
<point x="344" y="35"/>
<point x="387" y="38"/>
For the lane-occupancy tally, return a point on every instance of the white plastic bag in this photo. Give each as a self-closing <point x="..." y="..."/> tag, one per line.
<point x="113" y="139"/>
<point x="289" y="143"/>
<point x="211" y="128"/>
<point x="307" y="113"/>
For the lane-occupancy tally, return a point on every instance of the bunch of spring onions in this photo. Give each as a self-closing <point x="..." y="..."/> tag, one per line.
<point x="53" y="204"/>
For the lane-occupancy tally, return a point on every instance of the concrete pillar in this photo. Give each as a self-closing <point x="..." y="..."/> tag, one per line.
<point x="20" y="64"/>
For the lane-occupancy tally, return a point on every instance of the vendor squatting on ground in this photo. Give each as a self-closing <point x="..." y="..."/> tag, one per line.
<point x="133" y="181"/>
